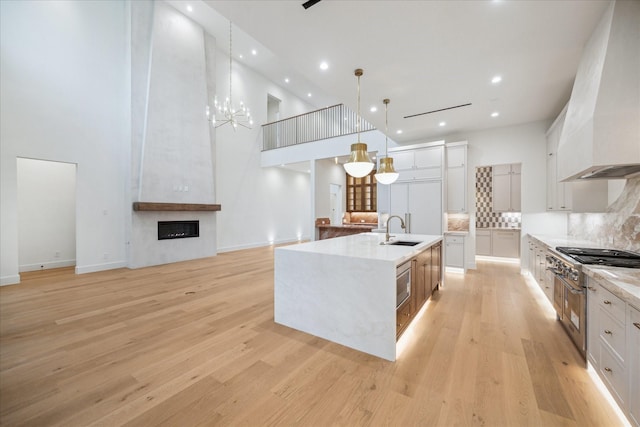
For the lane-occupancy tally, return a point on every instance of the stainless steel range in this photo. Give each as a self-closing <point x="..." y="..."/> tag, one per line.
<point x="569" y="287"/>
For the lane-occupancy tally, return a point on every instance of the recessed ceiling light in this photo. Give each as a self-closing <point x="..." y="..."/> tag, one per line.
<point x="286" y="79"/>
<point x="399" y="131"/>
<point x="324" y="65"/>
<point x="496" y="79"/>
<point x="495" y="114"/>
<point x="189" y="8"/>
<point x="309" y="94"/>
<point x="254" y="52"/>
<point x="442" y="124"/>
<point x="240" y="56"/>
<point x="373" y="109"/>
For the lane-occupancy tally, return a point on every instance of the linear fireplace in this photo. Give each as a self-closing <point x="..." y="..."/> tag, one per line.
<point x="178" y="229"/>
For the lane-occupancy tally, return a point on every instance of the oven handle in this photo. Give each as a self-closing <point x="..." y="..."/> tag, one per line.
<point x="571" y="288"/>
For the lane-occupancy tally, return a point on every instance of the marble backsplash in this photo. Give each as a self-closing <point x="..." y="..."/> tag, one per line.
<point x="618" y="228"/>
<point x="457" y="222"/>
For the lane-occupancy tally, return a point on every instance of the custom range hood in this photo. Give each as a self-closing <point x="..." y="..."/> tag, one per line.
<point x="600" y="138"/>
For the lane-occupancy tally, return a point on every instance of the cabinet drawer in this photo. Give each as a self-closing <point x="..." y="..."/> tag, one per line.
<point x="403" y="317"/>
<point x="454" y="239"/>
<point x="613" y="333"/>
<point x="612" y="304"/>
<point x="614" y="375"/>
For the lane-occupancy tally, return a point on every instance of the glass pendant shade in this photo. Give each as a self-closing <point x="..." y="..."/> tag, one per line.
<point x="359" y="163"/>
<point x="386" y="173"/>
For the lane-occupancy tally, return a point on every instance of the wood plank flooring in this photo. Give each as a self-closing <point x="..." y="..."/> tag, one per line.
<point x="194" y="344"/>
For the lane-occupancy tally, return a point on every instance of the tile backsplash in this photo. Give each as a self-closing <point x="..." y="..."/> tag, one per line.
<point x="618" y="228"/>
<point x="485" y="217"/>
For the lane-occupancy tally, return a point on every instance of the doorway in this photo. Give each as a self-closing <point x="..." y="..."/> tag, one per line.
<point x="335" y="203"/>
<point x="46" y="214"/>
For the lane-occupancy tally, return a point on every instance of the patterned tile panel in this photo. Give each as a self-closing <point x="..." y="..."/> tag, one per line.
<point x="485" y="217"/>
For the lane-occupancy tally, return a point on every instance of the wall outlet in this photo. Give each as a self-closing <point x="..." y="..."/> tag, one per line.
<point x="105" y="256"/>
<point x="56" y="254"/>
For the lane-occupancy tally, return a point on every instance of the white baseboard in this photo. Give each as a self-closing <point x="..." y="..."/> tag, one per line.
<point x="10" y="280"/>
<point x="100" y="267"/>
<point x="46" y="265"/>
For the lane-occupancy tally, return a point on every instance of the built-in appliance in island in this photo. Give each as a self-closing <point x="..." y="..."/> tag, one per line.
<point x="353" y="289"/>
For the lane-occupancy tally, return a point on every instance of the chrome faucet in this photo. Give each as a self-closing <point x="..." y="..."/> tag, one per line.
<point x="386" y="237"/>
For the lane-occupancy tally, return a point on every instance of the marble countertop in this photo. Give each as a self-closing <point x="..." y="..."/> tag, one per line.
<point x="623" y="282"/>
<point x="456" y="233"/>
<point x="367" y="246"/>
<point x="499" y="228"/>
<point x="348" y="226"/>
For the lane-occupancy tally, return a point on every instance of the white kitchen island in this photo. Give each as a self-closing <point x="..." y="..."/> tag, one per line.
<point x="344" y="289"/>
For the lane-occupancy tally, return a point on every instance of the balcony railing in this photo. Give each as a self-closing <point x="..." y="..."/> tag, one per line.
<point x="324" y="123"/>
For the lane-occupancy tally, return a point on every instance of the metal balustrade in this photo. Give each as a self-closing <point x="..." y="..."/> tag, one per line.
<point x="328" y="122"/>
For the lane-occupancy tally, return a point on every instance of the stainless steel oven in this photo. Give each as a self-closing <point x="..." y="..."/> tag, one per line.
<point x="403" y="283"/>
<point x="570" y="299"/>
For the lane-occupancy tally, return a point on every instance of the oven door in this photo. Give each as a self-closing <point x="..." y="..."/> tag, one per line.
<point x="558" y="294"/>
<point x="574" y="314"/>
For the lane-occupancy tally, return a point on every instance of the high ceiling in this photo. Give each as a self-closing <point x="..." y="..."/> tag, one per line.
<point x="423" y="55"/>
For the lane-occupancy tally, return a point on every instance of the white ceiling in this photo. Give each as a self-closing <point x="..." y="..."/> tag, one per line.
<point x="423" y="55"/>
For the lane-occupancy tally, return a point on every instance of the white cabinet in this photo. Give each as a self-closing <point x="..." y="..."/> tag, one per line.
<point x="498" y="243"/>
<point x="506" y="187"/>
<point x="418" y="163"/>
<point x="456" y="177"/>
<point x="633" y="338"/>
<point x="483" y="242"/>
<point x="454" y="251"/>
<point x="575" y="196"/>
<point x="505" y="243"/>
<point x="613" y="346"/>
<point x="537" y="267"/>
<point x="422" y="200"/>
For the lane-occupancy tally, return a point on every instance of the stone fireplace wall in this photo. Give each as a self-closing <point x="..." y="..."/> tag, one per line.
<point x="173" y="77"/>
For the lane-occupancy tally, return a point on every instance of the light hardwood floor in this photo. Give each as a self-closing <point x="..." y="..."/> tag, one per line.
<point x="194" y="343"/>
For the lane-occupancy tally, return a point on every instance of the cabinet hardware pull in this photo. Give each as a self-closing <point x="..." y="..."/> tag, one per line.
<point x="606" y="331"/>
<point x="608" y="369"/>
<point x="592" y="289"/>
<point x="636" y="324"/>
<point x="607" y="302"/>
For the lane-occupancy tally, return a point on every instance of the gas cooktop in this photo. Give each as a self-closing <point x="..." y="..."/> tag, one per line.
<point x="605" y="257"/>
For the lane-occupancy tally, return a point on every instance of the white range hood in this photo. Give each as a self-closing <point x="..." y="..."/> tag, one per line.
<point x="601" y="133"/>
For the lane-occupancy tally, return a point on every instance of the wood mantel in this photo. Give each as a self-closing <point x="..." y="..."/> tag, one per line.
<point x="174" y="207"/>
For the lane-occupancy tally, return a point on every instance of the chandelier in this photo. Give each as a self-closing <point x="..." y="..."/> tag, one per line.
<point x="226" y="112"/>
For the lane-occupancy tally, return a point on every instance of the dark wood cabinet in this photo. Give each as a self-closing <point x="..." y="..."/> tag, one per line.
<point x="404" y="314"/>
<point x="436" y="266"/>
<point x="362" y="193"/>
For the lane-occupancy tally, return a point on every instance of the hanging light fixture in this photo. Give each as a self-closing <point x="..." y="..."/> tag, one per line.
<point x="386" y="173"/>
<point x="359" y="163"/>
<point x="226" y="112"/>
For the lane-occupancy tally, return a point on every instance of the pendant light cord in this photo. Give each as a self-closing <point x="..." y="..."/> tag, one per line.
<point x="386" y="127"/>
<point x="358" y="74"/>
<point x="230" y="59"/>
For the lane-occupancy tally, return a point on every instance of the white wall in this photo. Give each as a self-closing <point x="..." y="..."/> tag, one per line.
<point x="65" y="97"/>
<point x="46" y="214"/>
<point x="259" y="205"/>
<point x="524" y="144"/>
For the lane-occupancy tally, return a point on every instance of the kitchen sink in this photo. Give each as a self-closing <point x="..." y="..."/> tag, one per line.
<point x="404" y="243"/>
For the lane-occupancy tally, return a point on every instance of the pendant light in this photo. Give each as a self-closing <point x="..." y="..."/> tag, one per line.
<point x="386" y="173"/>
<point x="359" y="163"/>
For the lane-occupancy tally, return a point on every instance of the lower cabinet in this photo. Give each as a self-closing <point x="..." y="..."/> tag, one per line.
<point x="426" y="277"/>
<point x="498" y="243"/>
<point x="454" y="251"/>
<point x="613" y="346"/>
<point x="483" y="242"/>
<point x="633" y="338"/>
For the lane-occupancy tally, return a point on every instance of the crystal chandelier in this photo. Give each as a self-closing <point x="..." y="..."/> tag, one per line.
<point x="226" y="112"/>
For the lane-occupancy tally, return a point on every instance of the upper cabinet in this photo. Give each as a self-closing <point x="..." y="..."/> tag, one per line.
<point x="457" y="177"/>
<point x="418" y="163"/>
<point x="558" y="193"/>
<point x="361" y="193"/>
<point x="575" y="196"/>
<point x="506" y="188"/>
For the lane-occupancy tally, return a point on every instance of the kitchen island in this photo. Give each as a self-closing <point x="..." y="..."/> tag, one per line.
<point x="344" y="289"/>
